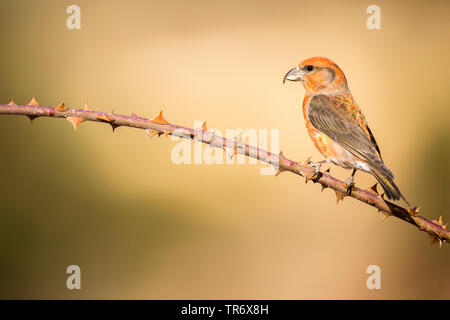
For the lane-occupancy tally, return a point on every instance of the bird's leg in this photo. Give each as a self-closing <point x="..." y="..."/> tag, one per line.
<point x="316" y="166"/>
<point x="350" y="182"/>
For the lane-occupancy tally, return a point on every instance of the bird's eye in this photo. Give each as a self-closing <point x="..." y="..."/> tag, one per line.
<point x="309" y="68"/>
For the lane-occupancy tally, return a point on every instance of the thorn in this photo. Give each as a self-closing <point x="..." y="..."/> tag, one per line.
<point x="382" y="196"/>
<point x="159" y="119"/>
<point x="323" y="188"/>
<point x="339" y="196"/>
<point x="61" y="107"/>
<point x="12" y="103"/>
<point x="386" y="215"/>
<point x="414" y="211"/>
<point x="237" y="143"/>
<point x="114" y="126"/>
<point x="151" y="133"/>
<point x="32" y="118"/>
<point x="306" y="162"/>
<point x="33" y="102"/>
<point x="280" y="155"/>
<point x="229" y="154"/>
<point x="280" y="170"/>
<point x="204" y="127"/>
<point x="441" y="222"/>
<point x="238" y="138"/>
<point x="75" y="121"/>
<point x="328" y="170"/>
<point x="434" y="239"/>
<point x="105" y="118"/>
<point x="373" y="188"/>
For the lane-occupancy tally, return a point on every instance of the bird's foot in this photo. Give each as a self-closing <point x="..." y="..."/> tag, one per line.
<point x="350" y="184"/>
<point x="316" y="166"/>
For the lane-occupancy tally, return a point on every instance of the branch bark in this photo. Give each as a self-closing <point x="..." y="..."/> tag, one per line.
<point x="158" y="125"/>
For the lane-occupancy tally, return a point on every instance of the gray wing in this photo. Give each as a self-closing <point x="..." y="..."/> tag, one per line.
<point x="332" y="117"/>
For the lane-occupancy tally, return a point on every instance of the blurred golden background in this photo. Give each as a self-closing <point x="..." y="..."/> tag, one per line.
<point x="140" y="226"/>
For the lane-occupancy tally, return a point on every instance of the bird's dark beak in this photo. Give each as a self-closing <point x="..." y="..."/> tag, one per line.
<point x="295" y="74"/>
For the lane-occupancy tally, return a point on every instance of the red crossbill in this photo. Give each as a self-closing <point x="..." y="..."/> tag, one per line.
<point x="336" y="124"/>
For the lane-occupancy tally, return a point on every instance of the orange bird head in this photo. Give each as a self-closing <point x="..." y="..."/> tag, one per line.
<point x="318" y="74"/>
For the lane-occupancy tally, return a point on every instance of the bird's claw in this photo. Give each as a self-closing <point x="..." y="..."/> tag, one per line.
<point x="350" y="184"/>
<point x="316" y="166"/>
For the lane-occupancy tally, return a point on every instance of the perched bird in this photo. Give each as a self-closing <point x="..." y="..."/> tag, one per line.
<point x="336" y="124"/>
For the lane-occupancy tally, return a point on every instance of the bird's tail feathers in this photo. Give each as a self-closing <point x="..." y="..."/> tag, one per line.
<point x="386" y="181"/>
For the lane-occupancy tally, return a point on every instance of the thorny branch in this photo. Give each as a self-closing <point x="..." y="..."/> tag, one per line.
<point x="158" y="125"/>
